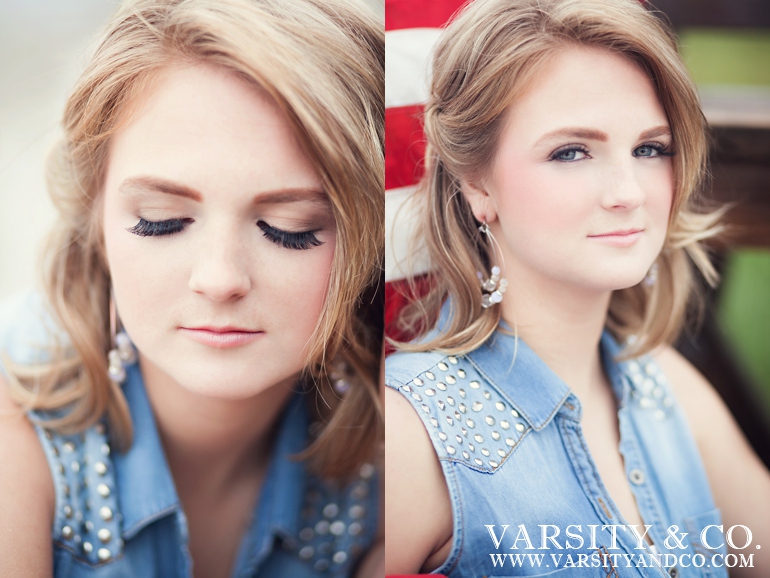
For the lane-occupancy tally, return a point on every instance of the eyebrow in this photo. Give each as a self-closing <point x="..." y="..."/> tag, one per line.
<point x="593" y="134"/>
<point x="143" y="184"/>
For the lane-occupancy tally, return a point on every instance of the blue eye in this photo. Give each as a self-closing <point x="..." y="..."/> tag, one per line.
<point x="569" y="154"/>
<point x="651" y="150"/>
<point x="300" y="241"/>
<point x="145" y="228"/>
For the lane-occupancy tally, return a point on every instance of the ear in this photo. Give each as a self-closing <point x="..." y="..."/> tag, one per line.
<point x="482" y="204"/>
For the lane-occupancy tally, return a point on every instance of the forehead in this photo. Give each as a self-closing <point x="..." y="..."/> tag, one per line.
<point x="587" y="87"/>
<point x="210" y="129"/>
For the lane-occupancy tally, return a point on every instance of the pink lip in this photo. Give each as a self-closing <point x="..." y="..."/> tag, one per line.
<point x="624" y="238"/>
<point x="221" y="337"/>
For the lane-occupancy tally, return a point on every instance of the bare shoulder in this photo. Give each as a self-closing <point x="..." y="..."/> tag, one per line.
<point x="739" y="480"/>
<point x="27" y="498"/>
<point x="418" y="514"/>
<point x="700" y="401"/>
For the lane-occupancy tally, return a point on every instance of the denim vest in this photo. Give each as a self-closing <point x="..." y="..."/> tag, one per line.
<point x="526" y="496"/>
<point x="119" y="515"/>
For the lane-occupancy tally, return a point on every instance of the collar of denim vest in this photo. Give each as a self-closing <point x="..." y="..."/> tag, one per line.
<point x="533" y="388"/>
<point x="146" y="490"/>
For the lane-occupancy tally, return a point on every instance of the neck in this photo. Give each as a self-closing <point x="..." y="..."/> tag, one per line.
<point x="561" y="323"/>
<point x="212" y="444"/>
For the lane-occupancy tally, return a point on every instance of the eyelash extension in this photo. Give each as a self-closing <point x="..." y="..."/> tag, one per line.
<point x="145" y="228"/>
<point x="300" y="241"/>
<point x="663" y="150"/>
<point x="565" y="149"/>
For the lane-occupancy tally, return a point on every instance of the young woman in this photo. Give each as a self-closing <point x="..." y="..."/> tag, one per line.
<point x="200" y="373"/>
<point x="544" y="426"/>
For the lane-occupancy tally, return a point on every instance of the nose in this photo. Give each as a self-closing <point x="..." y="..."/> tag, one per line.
<point x="625" y="190"/>
<point x="219" y="270"/>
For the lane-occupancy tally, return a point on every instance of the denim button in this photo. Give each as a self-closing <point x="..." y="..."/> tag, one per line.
<point x="636" y="476"/>
<point x="673" y="572"/>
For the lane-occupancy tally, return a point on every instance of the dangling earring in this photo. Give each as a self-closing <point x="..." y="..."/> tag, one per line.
<point x="123" y="352"/>
<point x="493" y="287"/>
<point x="652" y="276"/>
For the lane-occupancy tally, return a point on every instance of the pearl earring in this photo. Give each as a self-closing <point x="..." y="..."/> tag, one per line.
<point x="492" y="287"/>
<point x="122" y="353"/>
<point x="652" y="276"/>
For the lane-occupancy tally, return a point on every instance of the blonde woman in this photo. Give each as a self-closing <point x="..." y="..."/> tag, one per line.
<point x="199" y="376"/>
<point x="544" y="426"/>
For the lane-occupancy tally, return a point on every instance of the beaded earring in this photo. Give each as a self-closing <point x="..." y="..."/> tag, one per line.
<point x="122" y="353"/>
<point x="652" y="276"/>
<point x="493" y="287"/>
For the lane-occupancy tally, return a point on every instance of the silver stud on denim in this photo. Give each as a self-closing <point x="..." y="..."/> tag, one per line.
<point x="490" y="420"/>
<point x="430" y="392"/>
<point x="496" y="435"/>
<point x="459" y="439"/>
<point x="461" y="373"/>
<point x="500" y="406"/>
<point x="479" y="438"/>
<point x="514" y="413"/>
<point x="442" y="366"/>
<point x="520" y="427"/>
<point x="449" y="420"/>
<point x="450" y="400"/>
<point x="104" y="554"/>
<point x="425" y="408"/>
<point x="485" y="452"/>
<point x="501" y="453"/>
<point x="451" y="450"/>
<point x="441" y="405"/>
<point x="470" y="423"/>
<point x="461" y="392"/>
<point x="466" y="455"/>
<point x="474" y="384"/>
<point x="463" y="408"/>
<point x="416" y="397"/>
<point x="442" y="436"/>
<point x="67" y="532"/>
<point x="493" y="463"/>
<point x="430" y="375"/>
<point x="434" y="422"/>
<point x="477" y="406"/>
<point x="472" y="447"/>
<point x="504" y="424"/>
<point x="104" y="535"/>
<point x="510" y="442"/>
<point x="100" y="468"/>
<point x="487" y="395"/>
<point x="452" y="359"/>
<point x="88" y="547"/>
<point x="418" y="382"/>
<point x="105" y="513"/>
<point x="441" y="385"/>
<point x="478" y="462"/>
<point x="450" y="379"/>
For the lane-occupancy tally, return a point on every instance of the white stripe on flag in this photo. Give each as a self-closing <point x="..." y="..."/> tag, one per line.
<point x="407" y="65"/>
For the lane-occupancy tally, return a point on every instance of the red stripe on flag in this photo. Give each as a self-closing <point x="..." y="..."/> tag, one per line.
<point x="404" y="146"/>
<point x="401" y="14"/>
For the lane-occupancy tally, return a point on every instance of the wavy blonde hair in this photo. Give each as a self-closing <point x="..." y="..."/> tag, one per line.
<point x="322" y="62"/>
<point x="488" y="55"/>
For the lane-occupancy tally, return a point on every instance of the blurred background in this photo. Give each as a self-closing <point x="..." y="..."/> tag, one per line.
<point x="726" y="45"/>
<point x="44" y="45"/>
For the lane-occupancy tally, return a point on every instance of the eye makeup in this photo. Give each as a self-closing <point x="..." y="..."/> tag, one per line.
<point x="145" y="228"/>
<point x="300" y="240"/>
<point x="296" y="240"/>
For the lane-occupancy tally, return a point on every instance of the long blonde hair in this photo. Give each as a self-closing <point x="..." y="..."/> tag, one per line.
<point x="485" y="58"/>
<point x="322" y="63"/>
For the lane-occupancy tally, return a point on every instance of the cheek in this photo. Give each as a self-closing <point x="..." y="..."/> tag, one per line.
<point x="292" y="289"/>
<point x="538" y="200"/>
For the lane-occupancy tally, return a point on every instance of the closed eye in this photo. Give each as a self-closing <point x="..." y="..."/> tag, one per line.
<point x="145" y="228"/>
<point x="300" y="240"/>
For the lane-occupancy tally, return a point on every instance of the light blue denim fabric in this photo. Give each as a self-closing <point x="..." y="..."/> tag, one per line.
<point x="508" y="437"/>
<point x="118" y="515"/>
